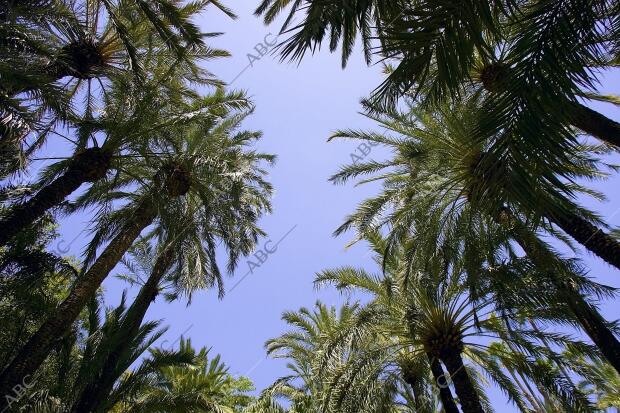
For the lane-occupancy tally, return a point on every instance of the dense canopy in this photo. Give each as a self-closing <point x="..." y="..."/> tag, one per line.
<point x="490" y="149"/>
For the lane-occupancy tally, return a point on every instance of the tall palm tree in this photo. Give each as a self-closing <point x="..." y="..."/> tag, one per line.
<point x="435" y="186"/>
<point x="208" y="158"/>
<point x="128" y="123"/>
<point x="184" y="258"/>
<point x="439" y="52"/>
<point x="432" y="316"/>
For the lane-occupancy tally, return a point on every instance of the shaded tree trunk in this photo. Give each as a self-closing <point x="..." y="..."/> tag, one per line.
<point x="593" y="238"/>
<point x="88" y="166"/>
<point x="34" y="352"/>
<point x="412" y="380"/>
<point x="596" y="328"/>
<point x="590" y="320"/>
<point x="445" y="394"/>
<point x="596" y="124"/>
<point x="96" y="392"/>
<point x="465" y="390"/>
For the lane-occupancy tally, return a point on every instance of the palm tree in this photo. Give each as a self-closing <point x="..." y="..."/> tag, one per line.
<point x="435" y="48"/>
<point x="600" y="380"/>
<point x="436" y="53"/>
<point x="439" y="187"/>
<point x="432" y="316"/>
<point x="91" y="43"/>
<point x="184" y="258"/>
<point x="305" y="388"/>
<point x="60" y="386"/>
<point x="209" y="158"/>
<point x="205" y="386"/>
<point x="102" y="338"/>
<point x="128" y="123"/>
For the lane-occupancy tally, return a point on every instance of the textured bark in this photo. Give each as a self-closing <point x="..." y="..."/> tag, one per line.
<point x="34" y="352"/>
<point x="590" y="320"/>
<point x="88" y="166"/>
<point x="593" y="238"/>
<point x="96" y="392"/>
<point x="596" y="124"/>
<point x="465" y="390"/>
<point x="445" y="394"/>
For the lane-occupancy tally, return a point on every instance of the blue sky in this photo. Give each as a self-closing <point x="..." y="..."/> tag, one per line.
<point x="297" y="109"/>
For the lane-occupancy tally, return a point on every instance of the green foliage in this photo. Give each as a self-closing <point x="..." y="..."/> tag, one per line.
<point x="482" y="117"/>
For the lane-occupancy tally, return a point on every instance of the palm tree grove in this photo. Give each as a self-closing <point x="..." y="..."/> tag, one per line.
<point x="309" y="206"/>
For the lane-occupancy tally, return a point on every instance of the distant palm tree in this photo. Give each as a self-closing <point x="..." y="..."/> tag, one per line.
<point x="209" y="160"/>
<point x="436" y="185"/>
<point x="600" y="381"/>
<point x="206" y="386"/>
<point x="305" y="388"/>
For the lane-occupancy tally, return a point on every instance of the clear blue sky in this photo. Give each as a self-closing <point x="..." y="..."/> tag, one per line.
<point x="297" y="109"/>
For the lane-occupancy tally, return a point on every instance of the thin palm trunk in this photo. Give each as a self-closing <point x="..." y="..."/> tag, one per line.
<point x="596" y="124"/>
<point x="95" y="393"/>
<point x="34" y="352"/>
<point x="465" y="390"/>
<point x="525" y="387"/>
<point x="590" y="320"/>
<point x="88" y="166"/>
<point x="445" y="394"/>
<point x="537" y="406"/>
<point x="591" y="237"/>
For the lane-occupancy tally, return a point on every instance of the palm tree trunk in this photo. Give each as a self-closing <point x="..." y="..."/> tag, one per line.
<point x="594" y="239"/>
<point x="96" y="392"/>
<point x="88" y="166"/>
<point x="596" y="328"/>
<point x="445" y="394"/>
<point x="596" y="124"/>
<point x="537" y="406"/>
<point x="149" y="291"/>
<point x="590" y="320"/>
<point x="465" y="390"/>
<point x="412" y="380"/>
<point x="34" y="352"/>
